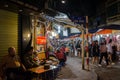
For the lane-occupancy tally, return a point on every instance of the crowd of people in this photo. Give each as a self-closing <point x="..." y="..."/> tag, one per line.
<point x="14" y="67"/>
<point x="12" y="64"/>
<point x="103" y="52"/>
<point x="98" y="51"/>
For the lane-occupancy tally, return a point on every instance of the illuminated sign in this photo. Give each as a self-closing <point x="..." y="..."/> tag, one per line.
<point x="41" y="40"/>
<point x="78" y="20"/>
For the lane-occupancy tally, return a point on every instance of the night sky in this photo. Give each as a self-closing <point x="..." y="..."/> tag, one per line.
<point x="71" y="7"/>
<point x="77" y="7"/>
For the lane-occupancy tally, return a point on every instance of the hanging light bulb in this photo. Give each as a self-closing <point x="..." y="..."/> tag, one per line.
<point x="63" y="1"/>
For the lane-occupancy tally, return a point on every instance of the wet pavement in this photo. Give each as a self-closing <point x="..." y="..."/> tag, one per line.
<point x="74" y="64"/>
<point x="108" y="73"/>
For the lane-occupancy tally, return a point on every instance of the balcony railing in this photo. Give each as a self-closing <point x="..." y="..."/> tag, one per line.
<point x="113" y="18"/>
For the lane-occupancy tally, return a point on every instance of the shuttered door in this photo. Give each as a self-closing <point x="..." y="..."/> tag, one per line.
<point x="8" y="31"/>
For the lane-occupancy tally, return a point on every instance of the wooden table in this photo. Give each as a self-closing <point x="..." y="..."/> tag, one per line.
<point x="44" y="74"/>
<point x="37" y="70"/>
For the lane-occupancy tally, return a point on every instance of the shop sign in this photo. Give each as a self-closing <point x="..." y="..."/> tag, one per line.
<point x="79" y="20"/>
<point x="41" y="40"/>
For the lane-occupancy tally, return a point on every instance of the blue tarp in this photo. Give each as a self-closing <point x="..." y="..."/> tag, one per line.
<point x="112" y="26"/>
<point x="93" y="30"/>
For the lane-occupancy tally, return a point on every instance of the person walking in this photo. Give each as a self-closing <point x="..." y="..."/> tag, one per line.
<point x="103" y="53"/>
<point x="78" y="48"/>
<point x="95" y="52"/>
<point x="110" y="51"/>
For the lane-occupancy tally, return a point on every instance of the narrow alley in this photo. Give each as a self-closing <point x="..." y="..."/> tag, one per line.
<point x="75" y="65"/>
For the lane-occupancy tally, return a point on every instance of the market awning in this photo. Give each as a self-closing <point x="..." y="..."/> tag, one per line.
<point x="104" y="31"/>
<point x="115" y="31"/>
<point x="109" y="26"/>
<point x="93" y="30"/>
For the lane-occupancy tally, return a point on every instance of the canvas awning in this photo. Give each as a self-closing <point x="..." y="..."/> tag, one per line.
<point x="104" y="27"/>
<point x="104" y="31"/>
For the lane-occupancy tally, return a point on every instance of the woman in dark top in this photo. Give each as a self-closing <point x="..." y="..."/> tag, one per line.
<point x="95" y="52"/>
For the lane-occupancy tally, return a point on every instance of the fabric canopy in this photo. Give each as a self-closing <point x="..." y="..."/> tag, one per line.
<point x="104" y="31"/>
<point x="110" y="26"/>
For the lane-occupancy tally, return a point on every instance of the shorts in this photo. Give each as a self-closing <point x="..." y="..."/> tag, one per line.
<point x="109" y="52"/>
<point x="95" y="54"/>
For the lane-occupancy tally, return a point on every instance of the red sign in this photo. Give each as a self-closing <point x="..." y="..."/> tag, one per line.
<point x="41" y="40"/>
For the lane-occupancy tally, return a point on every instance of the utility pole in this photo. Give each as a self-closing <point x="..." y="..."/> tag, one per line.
<point x="87" y="54"/>
<point x="81" y="28"/>
<point x="83" y="62"/>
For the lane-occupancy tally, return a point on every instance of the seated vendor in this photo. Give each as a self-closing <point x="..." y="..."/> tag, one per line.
<point x="11" y="64"/>
<point x="29" y="60"/>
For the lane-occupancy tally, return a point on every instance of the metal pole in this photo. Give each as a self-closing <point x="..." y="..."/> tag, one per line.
<point x="35" y="25"/>
<point x="83" y="65"/>
<point x="87" y="54"/>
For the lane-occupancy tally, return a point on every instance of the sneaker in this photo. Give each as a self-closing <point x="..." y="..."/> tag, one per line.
<point x="108" y="66"/>
<point x="112" y="63"/>
<point x="94" y="65"/>
<point x="104" y="61"/>
<point x="99" y="65"/>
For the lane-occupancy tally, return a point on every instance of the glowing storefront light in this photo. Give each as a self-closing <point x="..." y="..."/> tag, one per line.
<point x="41" y="40"/>
<point x="58" y="29"/>
<point x="54" y="34"/>
<point x="28" y="35"/>
<point x="118" y="37"/>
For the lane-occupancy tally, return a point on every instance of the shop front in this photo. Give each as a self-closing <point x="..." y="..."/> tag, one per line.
<point x="15" y="26"/>
<point x="8" y="31"/>
<point x="39" y="40"/>
<point x="107" y="34"/>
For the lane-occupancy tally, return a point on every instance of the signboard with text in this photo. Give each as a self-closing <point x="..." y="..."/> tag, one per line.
<point x="41" y="40"/>
<point x="79" y="20"/>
